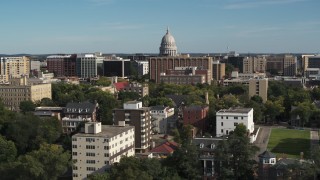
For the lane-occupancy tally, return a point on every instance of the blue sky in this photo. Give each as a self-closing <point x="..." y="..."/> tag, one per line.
<point x="137" y="26"/>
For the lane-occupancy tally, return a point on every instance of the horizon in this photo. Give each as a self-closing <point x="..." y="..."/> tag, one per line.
<point x="127" y="27"/>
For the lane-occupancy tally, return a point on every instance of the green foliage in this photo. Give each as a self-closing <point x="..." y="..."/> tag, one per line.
<point x="8" y="151"/>
<point x="27" y="106"/>
<point x="103" y="81"/>
<point x="46" y="102"/>
<point x="128" y="96"/>
<point x="236" y="156"/>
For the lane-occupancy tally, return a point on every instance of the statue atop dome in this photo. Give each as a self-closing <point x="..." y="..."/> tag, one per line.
<point x="168" y="45"/>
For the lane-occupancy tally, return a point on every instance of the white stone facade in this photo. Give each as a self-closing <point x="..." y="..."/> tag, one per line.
<point x="99" y="147"/>
<point x="159" y="119"/>
<point x="228" y="119"/>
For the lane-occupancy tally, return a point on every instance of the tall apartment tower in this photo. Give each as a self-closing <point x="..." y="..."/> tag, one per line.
<point x="289" y="65"/>
<point x="86" y="65"/>
<point x="100" y="146"/>
<point x="259" y="86"/>
<point x="14" y="67"/>
<point x="135" y="115"/>
<point x="62" y="65"/>
<point x="254" y="64"/>
<point x="218" y="70"/>
<point x="159" y="65"/>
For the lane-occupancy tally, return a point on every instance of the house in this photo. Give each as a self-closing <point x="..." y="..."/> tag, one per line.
<point x="206" y="148"/>
<point x="75" y="113"/>
<point x="165" y="149"/>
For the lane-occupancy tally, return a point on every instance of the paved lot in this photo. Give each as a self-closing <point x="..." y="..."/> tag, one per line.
<point x="262" y="139"/>
<point x="314" y="139"/>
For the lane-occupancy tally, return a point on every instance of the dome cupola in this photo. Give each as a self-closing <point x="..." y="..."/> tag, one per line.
<point x="168" y="45"/>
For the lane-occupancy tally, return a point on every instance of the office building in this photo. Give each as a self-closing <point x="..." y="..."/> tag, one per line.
<point x="142" y="67"/>
<point x="185" y="75"/>
<point x="117" y="67"/>
<point x="135" y="115"/>
<point x="19" y="90"/>
<point x="100" y="146"/>
<point x="275" y="64"/>
<point x="289" y="65"/>
<point x="13" y="67"/>
<point x="259" y="86"/>
<point x="86" y="66"/>
<point x="62" y="65"/>
<point x="228" y="119"/>
<point x="160" y="65"/>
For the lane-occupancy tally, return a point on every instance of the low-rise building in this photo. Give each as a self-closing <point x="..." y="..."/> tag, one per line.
<point x="19" y="90"/>
<point x="44" y="111"/>
<point x="160" y="115"/>
<point x="196" y="116"/>
<point x="141" y="89"/>
<point x="75" y="113"/>
<point x="100" y="146"/>
<point x="228" y="119"/>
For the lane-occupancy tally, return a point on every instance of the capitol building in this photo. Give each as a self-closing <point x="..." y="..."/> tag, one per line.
<point x="168" y="45"/>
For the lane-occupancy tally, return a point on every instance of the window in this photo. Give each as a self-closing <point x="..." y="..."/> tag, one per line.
<point x="90" y="154"/>
<point x="106" y="154"/>
<point x="106" y="162"/>
<point x="106" y="147"/>
<point x="74" y="153"/>
<point x="235" y="124"/>
<point x="213" y="146"/>
<point x="74" y="146"/>
<point x="221" y="117"/>
<point x="235" y="117"/>
<point x="75" y="175"/>
<point x="221" y="123"/>
<point x="91" y="168"/>
<point x="91" y="161"/>
<point x="89" y="139"/>
<point x="106" y="140"/>
<point x="221" y="130"/>
<point x="241" y="117"/>
<point x="75" y="167"/>
<point x="90" y="147"/>
<point x="227" y="117"/>
<point x="74" y="139"/>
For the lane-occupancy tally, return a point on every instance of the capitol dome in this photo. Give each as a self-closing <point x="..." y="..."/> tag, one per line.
<point x="168" y="45"/>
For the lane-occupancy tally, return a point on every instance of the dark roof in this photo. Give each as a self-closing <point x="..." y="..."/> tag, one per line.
<point x="267" y="154"/>
<point x="195" y="108"/>
<point x="206" y="142"/>
<point x="43" y="113"/>
<point x="80" y="108"/>
<point x="177" y="99"/>
<point x="158" y="107"/>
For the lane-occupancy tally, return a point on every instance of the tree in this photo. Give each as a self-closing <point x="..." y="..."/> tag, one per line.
<point x="274" y="108"/>
<point x="8" y="151"/>
<point x="27" y="106"/>
<point x="47" y="102"/>
<point x="236" y="155"/>
<point x="103" y="81"/>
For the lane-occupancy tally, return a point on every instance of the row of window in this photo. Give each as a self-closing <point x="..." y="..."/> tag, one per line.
<point x="235" y="117"/>
<point x="235" y="124"/>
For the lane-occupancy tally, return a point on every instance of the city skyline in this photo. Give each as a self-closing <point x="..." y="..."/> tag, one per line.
<point x="124" y="26"/>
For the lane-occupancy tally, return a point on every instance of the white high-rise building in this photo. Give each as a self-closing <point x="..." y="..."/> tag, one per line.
<point x="228" y="119"/>
<point x="86" y="65"/>
<point x="99" y="147"/>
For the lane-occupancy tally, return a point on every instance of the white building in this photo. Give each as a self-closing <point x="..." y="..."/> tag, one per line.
<point x="86" y="65"/>
<point x="99" y="147"/>
<point x="228" y="119"/>
<point x="160" y="115"/>
<point x="143" y="67"/>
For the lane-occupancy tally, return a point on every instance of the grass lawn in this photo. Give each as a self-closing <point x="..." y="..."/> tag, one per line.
<point x="289" y="142"/>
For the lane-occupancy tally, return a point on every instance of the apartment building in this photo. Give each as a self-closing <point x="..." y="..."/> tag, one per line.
<point x="100" y="146"/>
<point x="141" y="89"/>
<point x="259" y="86"/>
<point x="160" y="115"/>
<point x="62" y="65"/>
<point x="76" y="113"/>
<point x="19" y="90"/>
<point x="13" y="67"/>
<point x="196" y="116"/>
<point x="289" y="65"/>
<point x="135" y="115"/>
<point x="228" y="119"/>
<point x="159" y="65"/>
<point x="218" y="70"/>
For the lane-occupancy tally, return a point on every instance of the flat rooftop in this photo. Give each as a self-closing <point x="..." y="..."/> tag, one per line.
<point x="106" y="131"/>
<point x="235" y="110"/>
